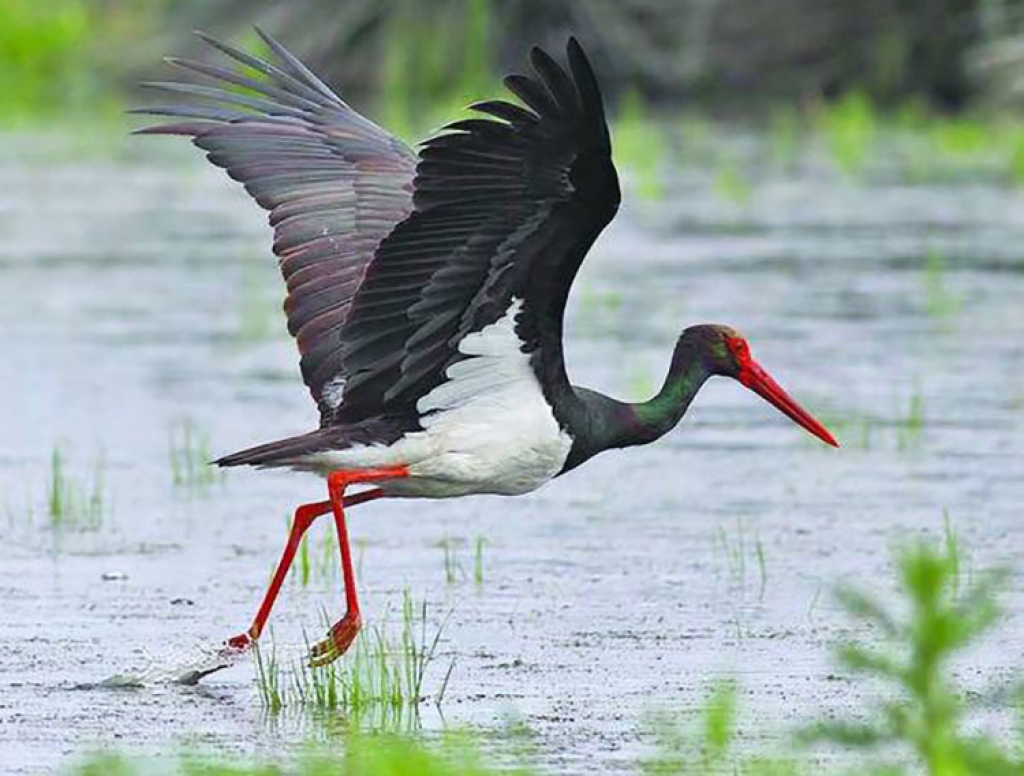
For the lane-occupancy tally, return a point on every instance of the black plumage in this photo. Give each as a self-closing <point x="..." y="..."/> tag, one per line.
<point x="504" y="208"/>
<point x="389" y="269"/>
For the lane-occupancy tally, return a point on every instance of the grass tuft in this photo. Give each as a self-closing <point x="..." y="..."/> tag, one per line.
<point x="453" y="570"/>
<point x="72" y="503"/>
<point x="737" y="549"/>
<point x="910" y="427"/>
<point x="380" y="673"/>
<point x="478" y="561"/>
<point x="189" y="456"/>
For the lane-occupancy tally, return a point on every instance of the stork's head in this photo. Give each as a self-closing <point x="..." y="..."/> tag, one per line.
<point x="725" y="352"/>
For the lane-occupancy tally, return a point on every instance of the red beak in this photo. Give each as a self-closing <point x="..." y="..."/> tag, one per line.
<point x="760" y="382"/>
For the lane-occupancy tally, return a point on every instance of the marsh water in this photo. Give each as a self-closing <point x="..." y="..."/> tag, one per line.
<point x="138" y="297"/>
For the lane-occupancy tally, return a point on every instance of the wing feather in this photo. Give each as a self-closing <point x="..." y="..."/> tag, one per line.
<point x="504" y="207"/>
<point x="335" y="184"/>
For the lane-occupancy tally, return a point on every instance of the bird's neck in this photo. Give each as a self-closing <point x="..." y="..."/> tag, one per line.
<point x="598" y="422"/>
<point x="654" y="418"/>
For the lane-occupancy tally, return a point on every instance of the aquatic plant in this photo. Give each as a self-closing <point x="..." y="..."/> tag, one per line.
<point x="41" y="48"/>
<point x="74" y="503"/>
<point x="960" y="136"/>
<point x="849" y="127"/>
<point x="924" y="713"/>
<point x="360" y="754"/>
<point x="189" y="456"/>
<point x="854" y="430"/>
<point x="709" y="748"/>
<point x="940" y="302"/>
<point x="903" y="430"/>
<point x="1016" y="157"/>
<point x="311" y="565"/>
<point x="910" y="426"/>
<point x="919" y="724"/>
<point x="304" y="565"/>
<point x="730" y="183"/>
<point x="478" y="561"/>
<point x="453" y="570"/>
<point x="327" y="565"/>
<point x="762" y="567"/>
<point x="736" y="548"/>
<point x="379" y="674"/>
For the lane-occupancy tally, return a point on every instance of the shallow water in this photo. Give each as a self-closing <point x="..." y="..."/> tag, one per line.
<point x="138" y="293"/>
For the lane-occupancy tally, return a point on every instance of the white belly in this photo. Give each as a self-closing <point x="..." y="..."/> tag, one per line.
<point x="486" y="429"/>
<point x="506" y="442"/>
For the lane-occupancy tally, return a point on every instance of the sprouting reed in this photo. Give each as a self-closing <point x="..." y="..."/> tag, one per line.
<point x="478" y="561"/>
<point x="910" y="426"/>
<point x="454" y="571"/>
<point x="940" y="301"/>
<point x="310" y="565"/>
<point x="189" y="456"/>
<point x="72" y="503"/>
<point x="737" y="549"/>
<point x="380" y="673"/>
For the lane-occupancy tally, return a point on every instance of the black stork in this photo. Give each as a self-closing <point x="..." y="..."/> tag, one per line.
<point x="427" y="292"/>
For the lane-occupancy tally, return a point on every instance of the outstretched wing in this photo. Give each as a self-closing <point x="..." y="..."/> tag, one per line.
<point x="505" y="209"/>
<point x="335" y="185"/>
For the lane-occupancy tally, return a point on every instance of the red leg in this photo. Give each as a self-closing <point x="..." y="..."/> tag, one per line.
<point x="343" y="632"/>
<point x="304" y="517"/>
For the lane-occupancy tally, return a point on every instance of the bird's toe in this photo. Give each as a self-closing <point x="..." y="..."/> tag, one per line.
<point x="338" y="641"/>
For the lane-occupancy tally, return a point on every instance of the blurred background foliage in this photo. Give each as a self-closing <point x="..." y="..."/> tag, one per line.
<point x="69" y="56"/>
<point x="945" y="78"/>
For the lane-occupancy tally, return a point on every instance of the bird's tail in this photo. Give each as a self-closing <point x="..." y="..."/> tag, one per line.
<point x="282" y="452"/>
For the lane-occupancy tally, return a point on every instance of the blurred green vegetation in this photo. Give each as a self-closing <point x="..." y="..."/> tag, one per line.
<point x="42" y="53"/>
<point x="74" y="62"/>
<point x="364" y="755"/>
<point x="61" y="60"/>
<point x="418" y="93"/>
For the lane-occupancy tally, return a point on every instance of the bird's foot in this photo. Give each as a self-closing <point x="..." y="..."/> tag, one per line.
<point x="338" y="640"/>
<point x="239" y="643"/>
